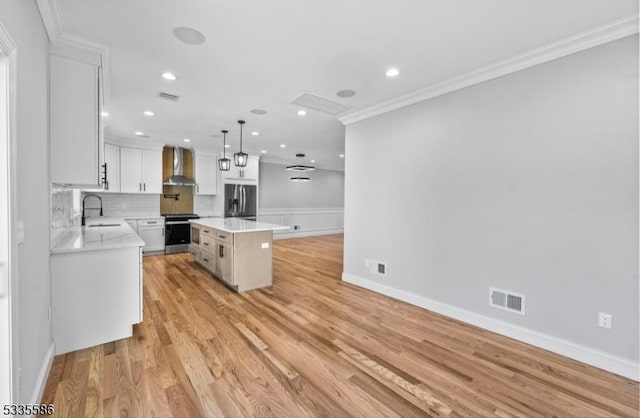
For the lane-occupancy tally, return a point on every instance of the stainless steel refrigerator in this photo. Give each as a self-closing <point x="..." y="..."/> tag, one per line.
<point x="241" y="201"/>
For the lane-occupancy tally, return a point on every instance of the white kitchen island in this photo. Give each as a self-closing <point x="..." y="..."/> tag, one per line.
<point x="96" y="280"/>
<point x="236" y="251"/>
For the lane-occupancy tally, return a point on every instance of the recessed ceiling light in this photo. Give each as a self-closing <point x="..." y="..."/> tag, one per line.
<point x="255" y="133"/>
<point x="188" y="35"/>
<point x="148" y="113"/>
<point x="341" y="155"/>
<point x="187" y="140"/>
<point x="264" y="151"/>
<point x="105" y="114"/>
<point x="302" y="112"/>
<point x="283" y="146"/>
<point x="227" y="145"/>
<point x="392" y="72"/>
<point x="346" y="93"/>
<point x="313" y="161"/>
<point x="258" y="111"/>
<point x="139" y="133"/>
<point x="169" y="76"/>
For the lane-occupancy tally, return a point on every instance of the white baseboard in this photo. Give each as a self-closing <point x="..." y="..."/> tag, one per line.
<point x="41" y="382"/>
<point x="602" y="360"/>
<point x="313" y="233"/>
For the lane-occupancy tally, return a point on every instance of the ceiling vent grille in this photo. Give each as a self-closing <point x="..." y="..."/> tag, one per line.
<point x="168" y="96"/>
<point x="507" y="300"/>
<point x="320" y="104"/>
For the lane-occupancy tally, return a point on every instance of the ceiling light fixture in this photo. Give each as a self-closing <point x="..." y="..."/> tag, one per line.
<point x="283" y="146"/>
<point x="227" y="146"/>
<point x="341" y="155"/>
<point x="302" y="112"/>
<point x="255" y="133"/>
<point x="346" y="93"/>
<point x="224" y="164"/>
<point x="301" y="179"/>
<point x="187" y="140"/>
<point x="258" y="111"/>
<point x="139" y="133"/>
<point x="169" y="76"/>
<point x="105" y="114"/>
<point x="264" y="151"/>
<point x="392" y="72"/>
<point x="148" y="113"/>
<point x="298" y="167"/>
<point x="313" y="161"/>
<point x="240" y="158"/>
<point x="188" y="35"/>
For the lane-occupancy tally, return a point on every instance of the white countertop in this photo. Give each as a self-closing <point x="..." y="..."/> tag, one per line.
<point x="235" y="225"/>
<point x="88" y="238"/>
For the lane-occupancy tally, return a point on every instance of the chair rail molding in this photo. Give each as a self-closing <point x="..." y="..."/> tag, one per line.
<point x="304" y="222"/>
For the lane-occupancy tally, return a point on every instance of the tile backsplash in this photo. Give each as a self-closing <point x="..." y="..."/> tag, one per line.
<point x="203" y="205"/>
<point x="124" y="205"/>
<point x="65" y="207"/>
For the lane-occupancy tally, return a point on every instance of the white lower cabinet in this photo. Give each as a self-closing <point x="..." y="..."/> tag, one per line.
<point x="151" y="231"/>
<point x="96" y="297"/>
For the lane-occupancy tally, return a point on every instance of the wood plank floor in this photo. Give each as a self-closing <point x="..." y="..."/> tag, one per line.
<point x="314" y="346"/>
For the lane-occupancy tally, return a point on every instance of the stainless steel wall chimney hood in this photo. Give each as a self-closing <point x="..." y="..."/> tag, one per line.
<point x="178" y="178"/>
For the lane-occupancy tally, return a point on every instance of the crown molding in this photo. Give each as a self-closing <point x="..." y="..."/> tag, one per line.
<point x="54" y="25"/>
<point x="51" y="18"/>
<point x="609" y="32"/>
<point x="7" y="45"/>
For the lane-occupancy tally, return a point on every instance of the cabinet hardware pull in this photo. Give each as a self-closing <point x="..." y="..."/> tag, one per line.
<point x="206" y="243"/>
<point x="152" y="222"/>
<point x="206" y="260"/>
<point x="221" y="251"/>
<point x="222" y="237"/>
<point x="144" y="189"/>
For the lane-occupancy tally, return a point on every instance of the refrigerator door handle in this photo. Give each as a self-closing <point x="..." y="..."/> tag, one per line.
<point x="244" y="199"/>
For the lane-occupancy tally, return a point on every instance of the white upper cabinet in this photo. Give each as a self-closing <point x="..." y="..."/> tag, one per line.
<point x="77" y="147"/>
<point x="206" y="171"/>
<point x="151" y="171"/>
<point x="140" y="170"/>
<point x="247" y="175"/>
<point x="112" y="166"/>
<point x="130" y="170"/>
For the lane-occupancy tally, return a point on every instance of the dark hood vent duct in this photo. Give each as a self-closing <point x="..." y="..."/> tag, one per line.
<point x="178" y="178"/>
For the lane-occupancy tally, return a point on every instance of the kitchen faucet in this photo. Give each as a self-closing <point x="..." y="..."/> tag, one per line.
<point x="83" y="208"/>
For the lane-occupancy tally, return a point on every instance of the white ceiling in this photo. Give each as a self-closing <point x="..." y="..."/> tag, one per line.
<point x="264" y="54"/>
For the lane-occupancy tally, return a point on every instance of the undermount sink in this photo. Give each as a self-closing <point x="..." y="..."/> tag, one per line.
<point x="102" y="225"/>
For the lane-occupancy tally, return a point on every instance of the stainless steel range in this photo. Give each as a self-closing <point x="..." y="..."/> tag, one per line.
<point x="177" y="232"/>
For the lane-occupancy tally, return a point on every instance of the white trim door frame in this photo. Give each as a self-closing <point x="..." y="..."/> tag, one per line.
<point x="8" y="244"/>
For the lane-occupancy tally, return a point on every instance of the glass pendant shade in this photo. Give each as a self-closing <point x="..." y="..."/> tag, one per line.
<point x="240" y="158"/>
<point x="224" y="164"/>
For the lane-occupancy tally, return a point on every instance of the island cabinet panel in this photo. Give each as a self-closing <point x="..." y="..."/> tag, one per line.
<point x="241" y="260"/>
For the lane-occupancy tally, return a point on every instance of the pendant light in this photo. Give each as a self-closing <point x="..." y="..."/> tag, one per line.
<point x="240" y="158"/>
<point x="224" y="164"/>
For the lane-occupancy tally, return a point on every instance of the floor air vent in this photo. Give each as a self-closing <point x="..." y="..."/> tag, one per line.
<point x="504" y="299"/>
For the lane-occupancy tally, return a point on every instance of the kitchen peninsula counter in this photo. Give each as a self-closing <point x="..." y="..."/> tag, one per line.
<point x="236" y="251"/>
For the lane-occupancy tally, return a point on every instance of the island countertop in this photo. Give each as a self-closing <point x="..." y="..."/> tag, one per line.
<point x="94" y="238"/>
<point x="235" y="225"/>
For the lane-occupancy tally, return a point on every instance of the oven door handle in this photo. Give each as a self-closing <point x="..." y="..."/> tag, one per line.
<point x="177" y="223"/>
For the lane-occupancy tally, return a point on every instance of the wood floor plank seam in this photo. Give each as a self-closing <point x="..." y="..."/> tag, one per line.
<point x="312" y="345"/>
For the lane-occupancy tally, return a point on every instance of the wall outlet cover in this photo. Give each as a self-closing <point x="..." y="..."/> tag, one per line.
<point x="605" y="320"/>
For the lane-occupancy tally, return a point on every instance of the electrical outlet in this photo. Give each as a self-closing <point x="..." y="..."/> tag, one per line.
<point x="265" y="245"/>
<point x="604" y="320"/>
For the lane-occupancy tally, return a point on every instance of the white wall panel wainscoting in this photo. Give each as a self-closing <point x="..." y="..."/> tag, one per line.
<point x="304" y="222"/>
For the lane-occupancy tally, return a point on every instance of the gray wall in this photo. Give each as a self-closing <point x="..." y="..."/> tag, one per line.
<point x="325" y="190"/>
<point x="33" y="332"/>
<point x="528" y="182"/>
